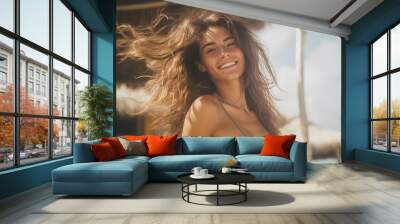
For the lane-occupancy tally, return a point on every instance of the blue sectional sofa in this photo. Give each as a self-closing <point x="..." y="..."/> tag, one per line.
<point x="125" y="176"/>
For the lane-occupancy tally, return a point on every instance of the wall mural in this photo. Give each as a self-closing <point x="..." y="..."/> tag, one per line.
<point x="194" y="72"/>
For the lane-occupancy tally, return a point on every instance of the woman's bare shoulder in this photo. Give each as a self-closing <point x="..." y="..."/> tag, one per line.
<point x="202" y="117"/>
<point x="205" y="103"/>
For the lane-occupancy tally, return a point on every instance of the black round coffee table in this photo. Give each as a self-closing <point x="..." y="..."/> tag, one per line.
<point x="238" y="179"/>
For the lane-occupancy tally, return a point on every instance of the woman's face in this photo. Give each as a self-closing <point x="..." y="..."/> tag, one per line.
<point x="220" y="55"/>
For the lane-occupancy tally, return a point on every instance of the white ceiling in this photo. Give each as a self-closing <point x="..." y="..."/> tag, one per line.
<point x="314" y="15"/>
<point x="325" y="16"/>
<point x="319" y="9"/>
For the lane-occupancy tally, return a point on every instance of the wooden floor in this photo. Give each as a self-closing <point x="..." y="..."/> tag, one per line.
<point x="377" y="188"/>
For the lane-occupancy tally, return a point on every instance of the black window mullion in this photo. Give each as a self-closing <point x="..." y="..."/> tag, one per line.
<point x="73" y="82"/>
<point x="50" y="87"/>
<point x="16" y="84"/>
<point x="389" y="101"/>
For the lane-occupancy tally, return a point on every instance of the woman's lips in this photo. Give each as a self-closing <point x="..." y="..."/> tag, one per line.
<point x="227" y="65"/>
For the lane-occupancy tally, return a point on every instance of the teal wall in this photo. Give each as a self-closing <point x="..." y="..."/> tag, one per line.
<point x="99" y="15"/>
<point x="356" y="101"/>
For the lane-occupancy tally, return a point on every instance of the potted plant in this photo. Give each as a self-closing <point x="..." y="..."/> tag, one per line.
<point x="96" y="104"/>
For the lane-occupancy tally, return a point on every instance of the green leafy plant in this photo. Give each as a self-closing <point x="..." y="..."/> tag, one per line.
<point x="96" y="104"/>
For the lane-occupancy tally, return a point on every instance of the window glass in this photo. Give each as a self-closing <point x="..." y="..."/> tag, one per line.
<point x="81" y="81"/>
<point x="379" y="97"/>
<point x="379" y="135"/>
<point x="39" y="62"/>
<point x="33" y="139"/>
<point x="6" y="74"/>
<point x="62" y="138"/>
<point x="81" y="45"/>
<point x="379" y="56"/>
<point x="34" y="21"/>
<point x="6" y="142"/>
<point x="395" y="94"/>
<point x="62" y="29"/>
<point x="81" y="131"/>
<point x="395" y="136"/>
<point x="7" y="14"/>
<point x="62" y="91"/>
<point x="395" y="47"/>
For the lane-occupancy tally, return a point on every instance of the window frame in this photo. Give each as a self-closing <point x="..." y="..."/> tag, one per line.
<point x="388" y="74"/>
<point x="16" y="114"/>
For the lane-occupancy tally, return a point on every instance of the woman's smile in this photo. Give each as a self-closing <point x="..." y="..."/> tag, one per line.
<point x="228" y="65"/>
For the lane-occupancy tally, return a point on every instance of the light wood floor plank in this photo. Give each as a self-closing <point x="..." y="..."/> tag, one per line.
<point x="376" y="190"/>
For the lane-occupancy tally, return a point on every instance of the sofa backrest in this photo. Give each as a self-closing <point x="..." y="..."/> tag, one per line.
<point x="83" y="152"/>
<point x="249" y="145"/>
<point x="206" y="145"/>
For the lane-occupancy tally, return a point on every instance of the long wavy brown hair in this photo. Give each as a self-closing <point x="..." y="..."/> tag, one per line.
<point x="170" y="49"/>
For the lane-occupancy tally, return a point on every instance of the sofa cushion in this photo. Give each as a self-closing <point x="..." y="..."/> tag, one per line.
<point x="257" y="163"/>
<point x="133" y="147"/>
<point x="185" y="163"/>
<point x="249" y="145"/>
<point x="116" y="145"/>
<point x="103" y="152"/>
<point x="161" y="145"/>
<point x="277" y="145"/>
<point x="206" y="145"/>
<point x="111" y="171"/>
<point x="83" y="152"/>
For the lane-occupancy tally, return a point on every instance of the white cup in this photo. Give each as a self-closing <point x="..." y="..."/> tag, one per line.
<point x="226" y="170"/>
<point x="196" y="171"/>
<point x="203" y="172"/>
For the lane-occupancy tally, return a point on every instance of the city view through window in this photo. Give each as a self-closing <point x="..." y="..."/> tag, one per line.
<point x="39" y="114"/>
<point x="385" y="91"/>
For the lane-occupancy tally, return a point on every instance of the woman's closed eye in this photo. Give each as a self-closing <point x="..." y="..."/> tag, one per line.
<point x="210" y="50"/>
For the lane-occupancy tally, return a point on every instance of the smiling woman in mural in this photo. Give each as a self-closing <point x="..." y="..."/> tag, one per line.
<point x="210" y="76"/>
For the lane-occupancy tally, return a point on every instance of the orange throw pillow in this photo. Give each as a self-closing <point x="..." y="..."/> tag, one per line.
<point x="103" y="151"/>
<point x="275" y="145"/>
<point x="135" y="137"/>
<point x="116" y="145"/>
<point x="161" y="145"/>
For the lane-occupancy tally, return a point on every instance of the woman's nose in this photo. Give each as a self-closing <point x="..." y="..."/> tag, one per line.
<point x="224" y="51"/>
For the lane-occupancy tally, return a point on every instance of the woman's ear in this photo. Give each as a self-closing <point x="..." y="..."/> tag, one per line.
<point x="201" y="67"/>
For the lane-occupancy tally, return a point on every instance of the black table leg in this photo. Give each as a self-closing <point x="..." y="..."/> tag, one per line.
<point x="196" y="188"/>
<point x="217" y="194"/>
<point x="245" y="193"/>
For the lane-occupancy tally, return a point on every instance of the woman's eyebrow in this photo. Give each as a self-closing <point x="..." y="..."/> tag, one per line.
<point x="228" y="38"/>
<point x="207" y="44"/>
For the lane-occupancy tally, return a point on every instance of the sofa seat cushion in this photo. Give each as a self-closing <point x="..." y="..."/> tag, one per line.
<point x="111" y="171"/>
<point x="185" y="163"/>
<point x="257" y="163"/>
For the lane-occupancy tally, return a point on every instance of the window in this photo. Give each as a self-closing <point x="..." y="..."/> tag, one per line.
<point x="3" y="61"/>
<point x="47" y="74"/>
<point x="44" y="91"/>
<point x="385" y="91"/>
<point x="30" y="88"/>
<point x="3" y="72"/>
<point x="3" y="78"/>
<point x="30" y="72"/>
<point x="38" y="89"/>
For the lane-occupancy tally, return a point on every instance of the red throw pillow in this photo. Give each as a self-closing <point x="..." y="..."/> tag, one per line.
<point x="116" y="145"/>
<point x="161" y="145"/>
<point x="103" y="151"/>
<point x="277" y="145"/>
